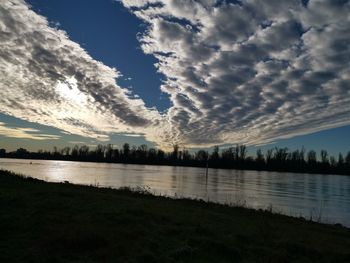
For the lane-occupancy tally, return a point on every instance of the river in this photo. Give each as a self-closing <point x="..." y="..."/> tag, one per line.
<point x="324" y="198"/>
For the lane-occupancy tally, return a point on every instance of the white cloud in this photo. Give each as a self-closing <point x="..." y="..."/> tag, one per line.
<point x="236" y="71"/>
<point x="132" y="134"/>
<point x="48" y="79"/>
<point x="77" y="142"/>
<point x="250" y="71"/>
<point x="25" y="133"/>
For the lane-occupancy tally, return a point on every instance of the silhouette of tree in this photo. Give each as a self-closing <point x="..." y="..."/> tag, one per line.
<point x="65" y="151"/>
<point x="75" y="152"/>
<point x="126" y="151"/>
<point x="160" y="155"/>
<point x="340" y="160"/>
<point x="186" y="156"/>
<point x="332" y="161"/>
<point x="100" y="152"/>
<point x="202" y="156"/>
<point x="109" y="152"/>
<point x="236" y="152"/>
<point x="269" y="154"/>
<point x="324" y="157"/>
<point x="228" y="156"/>
<point x="242" y="152"/>
<point x="116" y="156"/>
<point x="215" y="154"/>
<point x="152" y="155"/>
<point x="276" y="159"/>
<point x="141" y="153"/>
<point x="21" y="152"/>
<point x="347" y="159"/>
<point x="311" y="157"/>
<point x="83" y="152"/>
<point x="175" y="153"/>
<point x="2" y="152"/>
<point x="260" y="160"/>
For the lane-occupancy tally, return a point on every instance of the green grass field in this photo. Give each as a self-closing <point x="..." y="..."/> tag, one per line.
<point x="48" y="222"/>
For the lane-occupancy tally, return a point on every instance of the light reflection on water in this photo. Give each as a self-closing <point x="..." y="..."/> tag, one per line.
<point x="294" y="194"/>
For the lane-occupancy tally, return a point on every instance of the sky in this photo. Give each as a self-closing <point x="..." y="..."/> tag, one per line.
<point x="194" y="73"/>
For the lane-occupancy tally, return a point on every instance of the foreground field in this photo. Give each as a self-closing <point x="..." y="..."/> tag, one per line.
<point x="47" y="222"/>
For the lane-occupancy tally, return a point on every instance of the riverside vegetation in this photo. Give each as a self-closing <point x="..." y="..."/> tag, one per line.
<point x="52" y="222"/>
<point x="275" y="159"/>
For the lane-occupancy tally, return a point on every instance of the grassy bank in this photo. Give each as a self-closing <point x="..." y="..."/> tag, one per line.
<point x="46" y="222"/>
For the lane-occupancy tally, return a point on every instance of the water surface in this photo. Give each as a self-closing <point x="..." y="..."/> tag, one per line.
<point x="322" y="197"/>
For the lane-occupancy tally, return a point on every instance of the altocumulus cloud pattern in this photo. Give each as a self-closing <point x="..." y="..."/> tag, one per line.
<point x="236" y="71"/>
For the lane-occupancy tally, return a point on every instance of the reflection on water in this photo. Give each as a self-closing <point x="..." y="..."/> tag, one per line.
<point x="325" y="196"/>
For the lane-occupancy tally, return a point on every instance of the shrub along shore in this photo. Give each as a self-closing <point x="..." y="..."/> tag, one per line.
<point x="275" y="159"/>
<point x="53" y="222"/>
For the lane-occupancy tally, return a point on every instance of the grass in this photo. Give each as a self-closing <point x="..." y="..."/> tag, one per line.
<point x="51" y="222"/>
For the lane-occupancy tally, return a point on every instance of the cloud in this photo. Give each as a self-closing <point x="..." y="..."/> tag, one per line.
<point x="250" y="71"/>
<point x="48" y="79"/>
<point x="131" y="134"/>
<point x="77" y="142"/>
<point x="236" y="71"/>
<point x="25" y="133"/>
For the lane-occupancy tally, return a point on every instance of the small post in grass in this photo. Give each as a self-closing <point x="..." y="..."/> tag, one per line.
<point x="207" y="168"/>
<point x="206" y="175"/>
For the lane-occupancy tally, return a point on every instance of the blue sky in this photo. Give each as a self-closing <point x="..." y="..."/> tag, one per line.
<point x="209" y="82"/>
<point x="108" y="32"/>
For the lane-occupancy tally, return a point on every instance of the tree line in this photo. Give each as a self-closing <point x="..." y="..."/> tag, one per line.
<point x="275" y="159"/>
